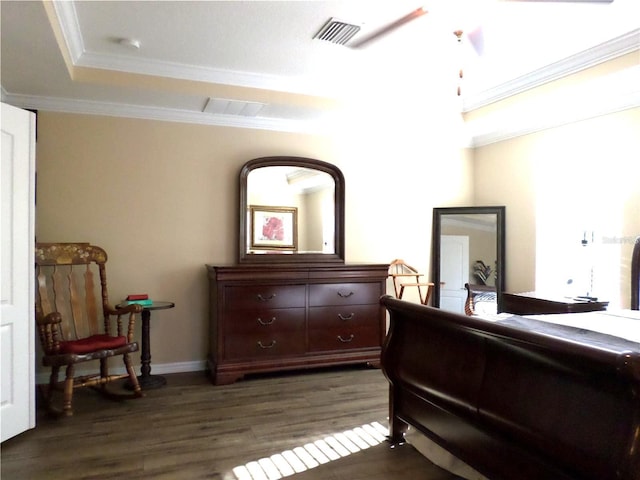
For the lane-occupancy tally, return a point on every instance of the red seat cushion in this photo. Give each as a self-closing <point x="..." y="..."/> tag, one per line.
<point x="92" y="343"/>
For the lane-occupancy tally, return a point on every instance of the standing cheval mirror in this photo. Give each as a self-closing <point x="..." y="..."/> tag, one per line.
<point x="468" y="249"/>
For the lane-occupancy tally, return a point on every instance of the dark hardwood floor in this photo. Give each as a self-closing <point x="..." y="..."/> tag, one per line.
<point x="193" y="430"/>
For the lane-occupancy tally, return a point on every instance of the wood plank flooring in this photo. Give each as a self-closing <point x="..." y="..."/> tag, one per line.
<point x="191" y="429"/>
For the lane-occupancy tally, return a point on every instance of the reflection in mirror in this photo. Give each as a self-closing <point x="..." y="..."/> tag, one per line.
<point x="468" y="248"/>
<point x="295" y="210"/>
<point x="292" y="210"/>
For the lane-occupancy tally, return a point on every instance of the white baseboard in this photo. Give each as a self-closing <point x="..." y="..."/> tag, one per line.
<point x="159" y="368"/>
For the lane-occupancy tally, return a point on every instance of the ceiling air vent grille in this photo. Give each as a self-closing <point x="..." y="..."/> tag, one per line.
<point x="233" y="107"/>
<point x="337" y="31"/>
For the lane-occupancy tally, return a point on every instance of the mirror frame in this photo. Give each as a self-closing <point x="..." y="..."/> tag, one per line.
<point x="339" y="196"/>
<point x="438" y="213"/>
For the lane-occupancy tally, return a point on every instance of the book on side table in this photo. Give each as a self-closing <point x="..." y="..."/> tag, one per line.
<point x="138" y="298"/>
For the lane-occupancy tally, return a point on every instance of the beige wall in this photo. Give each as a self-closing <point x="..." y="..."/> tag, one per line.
<point x="558" y="182"/>
<point x="555" y="184"/>
<point x="503" y="174"/>
<point x="162" y="199"/>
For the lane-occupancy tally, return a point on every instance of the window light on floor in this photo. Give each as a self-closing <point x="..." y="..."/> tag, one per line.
<point x="311" y="455"/>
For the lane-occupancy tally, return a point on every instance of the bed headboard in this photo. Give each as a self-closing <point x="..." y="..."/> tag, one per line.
<point x="635" y="276"/>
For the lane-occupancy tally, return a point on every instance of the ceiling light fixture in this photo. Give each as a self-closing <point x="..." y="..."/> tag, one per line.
<point x="458" y="34"/>
<point x="130" y="43"/>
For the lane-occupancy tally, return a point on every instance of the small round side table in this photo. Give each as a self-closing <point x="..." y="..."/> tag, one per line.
<point x="145" y="379"/>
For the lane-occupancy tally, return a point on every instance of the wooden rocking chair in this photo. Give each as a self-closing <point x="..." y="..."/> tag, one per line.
<point x="400" y="271"/>
<point x="68" y="324"/>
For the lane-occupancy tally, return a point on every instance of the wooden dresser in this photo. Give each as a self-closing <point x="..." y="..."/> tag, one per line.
<point x="275" y="317"/>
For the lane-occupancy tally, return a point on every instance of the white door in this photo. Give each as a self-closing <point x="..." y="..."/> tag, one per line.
<point x="17" y="394"/>
<point x="454" y="272"/>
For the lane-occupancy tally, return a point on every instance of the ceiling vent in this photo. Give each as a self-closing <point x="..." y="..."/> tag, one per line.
<point x="337" y="31"/>
<point x="233" y="107"/>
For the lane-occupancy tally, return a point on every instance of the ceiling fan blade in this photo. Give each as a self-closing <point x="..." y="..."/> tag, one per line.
<point x="476" y="38"/>
<point x="392" y="26"/>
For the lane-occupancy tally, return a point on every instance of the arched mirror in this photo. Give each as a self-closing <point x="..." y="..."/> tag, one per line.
<point x="291" y="211"/>
<point x="468" y="248"/>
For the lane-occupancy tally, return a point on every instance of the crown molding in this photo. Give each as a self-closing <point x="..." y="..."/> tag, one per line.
<point x="501" y="134"/>
<point x="89" y="107"/>
<point x="613" y="93"/>
<point x="605" y="97"/>
<point x="197" y="73"/>
<point x="70" y="26"/>
<point x="609" y="50"/>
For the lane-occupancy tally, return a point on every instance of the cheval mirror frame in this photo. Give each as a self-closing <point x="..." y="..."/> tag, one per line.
<point x="245" y="256"/>
<point x="466" y="212"/>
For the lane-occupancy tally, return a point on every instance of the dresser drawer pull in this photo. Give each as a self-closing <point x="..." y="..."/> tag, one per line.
<point x="344" y="295"/>
<point x="271" y="345"/>
<point x="345" y="340"/>
<point x="266" y="299"/>
<point x="268" y="322"/>
<point x="346" y="317"/>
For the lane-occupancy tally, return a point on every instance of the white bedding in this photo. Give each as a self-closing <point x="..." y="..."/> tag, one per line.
<point x="619" y="323"/>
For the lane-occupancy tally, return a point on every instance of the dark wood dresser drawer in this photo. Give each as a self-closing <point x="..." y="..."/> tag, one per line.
<point x="347" y="316"/>
<point x="344" y="294"/>
<point x="270" y="343"/>
<point x="244" y="322"/>
<point x="343" y="338"/>
<point x="243" y="297"/>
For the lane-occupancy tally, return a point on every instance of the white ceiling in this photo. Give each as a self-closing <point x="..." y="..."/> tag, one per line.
<point x="264" y="52"/>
